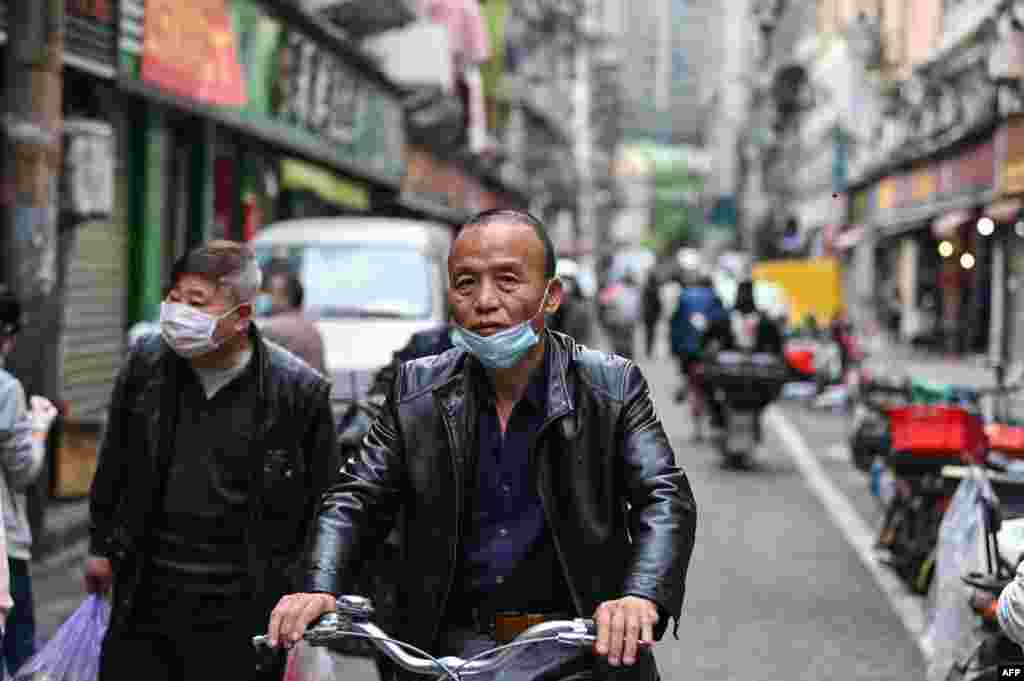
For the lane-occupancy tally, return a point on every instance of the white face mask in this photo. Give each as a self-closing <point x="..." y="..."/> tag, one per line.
<point x="189" y="331"/>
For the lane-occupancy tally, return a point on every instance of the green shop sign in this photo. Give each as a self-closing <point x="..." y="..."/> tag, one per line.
<point x="298" y="90"/>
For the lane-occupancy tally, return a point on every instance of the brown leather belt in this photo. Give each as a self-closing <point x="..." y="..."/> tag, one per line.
<point x="504" y="626"/>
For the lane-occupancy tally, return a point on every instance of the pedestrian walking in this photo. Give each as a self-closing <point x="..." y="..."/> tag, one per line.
<point x="698" y="308"/>
<point x="573" y="316"/>
<point x="623" y="315"/>
<point x="218" y="447"/>
<point x="285" y="322"/>
<point x="534" y="426"/>
<point x="24" y="427"/>
<point x="652" y="309"/>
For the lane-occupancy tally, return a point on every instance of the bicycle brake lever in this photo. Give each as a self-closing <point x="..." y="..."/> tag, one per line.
<point x="577" y="639"/>
<point x="328" y="628"/>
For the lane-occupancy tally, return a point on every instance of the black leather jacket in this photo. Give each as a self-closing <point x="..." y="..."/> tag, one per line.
<point x="620" y="509"/>
<point x="293" y="460"/>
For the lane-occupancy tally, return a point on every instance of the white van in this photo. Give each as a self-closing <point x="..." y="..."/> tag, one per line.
<point x="370" y="283"/>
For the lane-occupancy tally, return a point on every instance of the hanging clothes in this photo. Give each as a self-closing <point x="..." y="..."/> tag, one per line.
<point x="470" y="46"/>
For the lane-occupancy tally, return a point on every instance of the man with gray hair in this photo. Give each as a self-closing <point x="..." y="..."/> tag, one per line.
<point x="217" y="448"/>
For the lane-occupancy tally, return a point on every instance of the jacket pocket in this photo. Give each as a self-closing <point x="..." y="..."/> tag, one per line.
<point x="284" y="491"/>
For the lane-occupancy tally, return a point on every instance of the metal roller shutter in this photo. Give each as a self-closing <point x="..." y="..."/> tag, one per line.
<point x="94" y="317"/>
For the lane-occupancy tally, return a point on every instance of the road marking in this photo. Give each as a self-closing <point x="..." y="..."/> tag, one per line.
<point x="860" y="536"/>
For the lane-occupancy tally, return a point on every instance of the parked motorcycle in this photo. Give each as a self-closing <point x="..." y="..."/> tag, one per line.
<point x="925" y="438"/>
<point x="742" y="385"/>
<point x="870" y="439"/>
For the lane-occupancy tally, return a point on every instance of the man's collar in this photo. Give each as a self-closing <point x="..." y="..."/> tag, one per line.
<point x="536" y="390"/>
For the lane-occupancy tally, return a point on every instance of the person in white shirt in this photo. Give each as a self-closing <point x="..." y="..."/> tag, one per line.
<point x="24" y="426"/>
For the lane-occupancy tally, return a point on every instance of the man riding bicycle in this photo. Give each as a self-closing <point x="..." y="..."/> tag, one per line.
<point x="533" y="475"/>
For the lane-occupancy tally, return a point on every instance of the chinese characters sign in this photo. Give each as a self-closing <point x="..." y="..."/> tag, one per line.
<point x="189" y="50"/>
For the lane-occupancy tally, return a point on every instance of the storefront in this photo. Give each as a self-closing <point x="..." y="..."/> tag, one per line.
<point x="1007" y="215"/>
<point x="933" y="266"/>
<point x="246" y="112"/>
<point x="94" y="242"/>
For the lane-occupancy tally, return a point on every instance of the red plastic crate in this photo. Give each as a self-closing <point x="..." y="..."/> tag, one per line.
<point x="1006" y="439"/>
<point x="801" y="359"/>
<point x="938" y="430"/>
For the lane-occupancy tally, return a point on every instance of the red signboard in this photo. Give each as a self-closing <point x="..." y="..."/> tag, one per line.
<point x="189" y="50"/>
<point x="100" y="10"/>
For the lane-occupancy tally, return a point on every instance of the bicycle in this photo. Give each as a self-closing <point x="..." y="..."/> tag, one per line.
<point x="353" y="620"/>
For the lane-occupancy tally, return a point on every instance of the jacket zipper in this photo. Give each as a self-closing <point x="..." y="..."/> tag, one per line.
<point x="547" y="515"/>
<point x="454" y="543"/>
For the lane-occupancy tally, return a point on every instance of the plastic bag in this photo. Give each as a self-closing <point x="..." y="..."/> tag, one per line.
<point x="952" y="625"/>
<point x="73" y="654"/>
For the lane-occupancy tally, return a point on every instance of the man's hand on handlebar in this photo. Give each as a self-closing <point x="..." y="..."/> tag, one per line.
<point x="294" y="613"/>
<point x="622" y="626"/>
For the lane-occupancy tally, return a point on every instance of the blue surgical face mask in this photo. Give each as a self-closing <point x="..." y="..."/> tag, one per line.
<point x="263" y="305"/>
<point x="505" y="348"/>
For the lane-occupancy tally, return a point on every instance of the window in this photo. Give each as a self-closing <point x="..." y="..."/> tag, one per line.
<point x="359" y="280"/>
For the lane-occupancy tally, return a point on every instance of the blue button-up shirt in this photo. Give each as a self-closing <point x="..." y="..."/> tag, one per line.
<point x="508" y="526"/>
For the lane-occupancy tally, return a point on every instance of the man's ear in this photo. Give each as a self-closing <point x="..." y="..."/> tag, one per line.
<point x="556" y="294"/>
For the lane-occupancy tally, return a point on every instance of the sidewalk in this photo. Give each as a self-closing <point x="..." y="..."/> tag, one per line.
<point x="898" y="358"/>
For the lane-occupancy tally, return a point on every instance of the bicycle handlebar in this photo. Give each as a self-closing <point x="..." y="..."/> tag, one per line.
<point x="352" y="620"/>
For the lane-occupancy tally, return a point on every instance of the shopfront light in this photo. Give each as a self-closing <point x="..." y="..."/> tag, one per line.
<point x="986" y="226"/>
<point x="1019" y="228"/>
<point x="967" y="261"/>
<point x="946" y="249"/>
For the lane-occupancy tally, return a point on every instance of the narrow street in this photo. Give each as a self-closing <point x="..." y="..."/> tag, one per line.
<point x="774" y="589"/>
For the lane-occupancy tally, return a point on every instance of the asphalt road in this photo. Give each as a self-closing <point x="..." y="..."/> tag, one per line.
<point x="774" y="593"/>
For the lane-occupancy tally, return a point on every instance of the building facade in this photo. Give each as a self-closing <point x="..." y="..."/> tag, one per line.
<point x="188" y="120"/>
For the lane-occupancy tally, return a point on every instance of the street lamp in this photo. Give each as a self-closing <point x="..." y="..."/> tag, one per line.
<point x="967" y="261"/>
<point x="946" y="249"/>
<point x="986" y="226"/>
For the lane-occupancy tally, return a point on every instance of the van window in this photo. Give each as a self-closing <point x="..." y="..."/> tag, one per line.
<point x="359" y="280"/>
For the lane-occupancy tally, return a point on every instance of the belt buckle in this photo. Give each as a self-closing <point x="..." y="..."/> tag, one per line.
<point x="509" y="625"/>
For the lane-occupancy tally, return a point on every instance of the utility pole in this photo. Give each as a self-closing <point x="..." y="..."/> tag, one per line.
<point x="30" y="262"/>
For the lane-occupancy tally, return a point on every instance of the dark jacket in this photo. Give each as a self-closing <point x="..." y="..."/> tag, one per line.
<point x="621" y="512"/>
<point x="293" y="460"/>
<point x="652" y="299"/>
<point x="686" y="338"/>
<point x="720" y="335"/>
